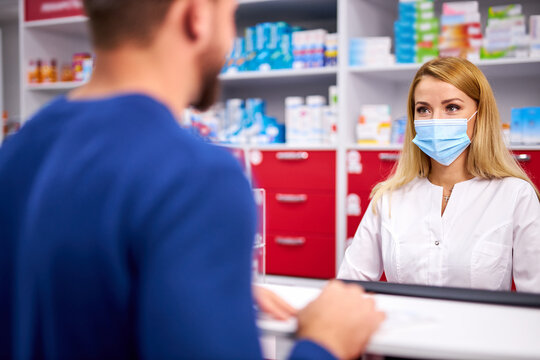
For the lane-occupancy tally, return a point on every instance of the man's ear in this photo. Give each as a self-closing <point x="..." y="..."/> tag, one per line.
<point x="198" y="21"/>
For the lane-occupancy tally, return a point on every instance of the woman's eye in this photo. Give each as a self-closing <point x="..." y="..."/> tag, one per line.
<point x="422" y="110"/>
<point x="452" y="108"/>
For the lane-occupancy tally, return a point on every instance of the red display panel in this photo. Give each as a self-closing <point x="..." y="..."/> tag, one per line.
<point x="52" y="9"/>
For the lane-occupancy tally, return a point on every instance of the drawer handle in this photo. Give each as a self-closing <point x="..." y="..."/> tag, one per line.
<point x="388" y="157"/>
<point x="291" y="198"/>
<point x="523" y="157"/>
<point x="292" y="155"/>
<point x="290" y="241"/>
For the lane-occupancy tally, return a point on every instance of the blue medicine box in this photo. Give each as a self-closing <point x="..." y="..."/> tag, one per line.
<point x="530" y="118"/>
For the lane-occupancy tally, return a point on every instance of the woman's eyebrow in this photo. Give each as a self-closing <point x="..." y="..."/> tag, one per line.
<point x="421" y="103"/>
<point x="450" y="100"/>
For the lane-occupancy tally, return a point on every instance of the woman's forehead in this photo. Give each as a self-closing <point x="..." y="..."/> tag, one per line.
<point x="435" y="89"/>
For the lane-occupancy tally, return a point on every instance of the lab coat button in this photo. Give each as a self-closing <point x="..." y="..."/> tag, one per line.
<point x="437" y="242"/>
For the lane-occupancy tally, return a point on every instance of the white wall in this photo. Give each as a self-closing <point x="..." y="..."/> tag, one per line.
<point x="10" y="64"/>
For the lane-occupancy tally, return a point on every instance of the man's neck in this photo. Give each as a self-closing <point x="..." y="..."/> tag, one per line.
<point x="132" y="70"/>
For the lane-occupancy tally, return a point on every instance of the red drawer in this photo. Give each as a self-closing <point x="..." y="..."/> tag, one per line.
<point x="367" y="168"/>
<point x="301" y="211"/>
<point x="303" y="256"/>
<point x="294" y="169"/>
<point x="530" y="161"/>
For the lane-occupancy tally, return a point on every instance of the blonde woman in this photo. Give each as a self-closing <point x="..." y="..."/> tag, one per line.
<point x="458" y="210"/>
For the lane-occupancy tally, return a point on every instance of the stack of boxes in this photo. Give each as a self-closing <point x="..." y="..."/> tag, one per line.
<point x="374" y="125"/>
<point x="310" y="121"/>
<point x="506" y="35"/>
<point x="534" y="27"/>
<point x="309" y="48"/>
<point x="274" y="46"/>
<point x="416" y="32"/>
<point x="370" y="51"/>
<point x="239" y="122"/>
<point x="461" y="33"/>
<point x="525" y="126"/>
<point x="331" y="50"/>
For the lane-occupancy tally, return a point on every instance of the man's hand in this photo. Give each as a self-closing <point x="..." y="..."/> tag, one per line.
<point x="272" y="304"/>
<point x="342" y="319"/>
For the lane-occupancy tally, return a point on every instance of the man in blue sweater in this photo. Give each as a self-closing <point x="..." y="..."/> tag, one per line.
<point x="125" y="237"/>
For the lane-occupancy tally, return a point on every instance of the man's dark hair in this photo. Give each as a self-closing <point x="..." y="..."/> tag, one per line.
<point x="114" y="22"/>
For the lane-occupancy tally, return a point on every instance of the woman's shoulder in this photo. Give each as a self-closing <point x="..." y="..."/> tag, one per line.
<point x="407" y="189"/>
<point x="418" y="183"/>
<point x="511" y="186"/>
<point x="509" y="182"/>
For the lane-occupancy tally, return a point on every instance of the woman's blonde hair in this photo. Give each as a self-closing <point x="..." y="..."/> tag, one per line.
<point x="488" y="158"/>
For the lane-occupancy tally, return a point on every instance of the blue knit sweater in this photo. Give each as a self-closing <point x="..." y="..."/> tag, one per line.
<point x="122" y="236"/>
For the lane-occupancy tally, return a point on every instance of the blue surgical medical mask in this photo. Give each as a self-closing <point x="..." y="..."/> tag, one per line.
<point x="443" y="140"/>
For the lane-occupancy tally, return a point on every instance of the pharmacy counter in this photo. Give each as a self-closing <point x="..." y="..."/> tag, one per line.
<point x="422" y="326"/>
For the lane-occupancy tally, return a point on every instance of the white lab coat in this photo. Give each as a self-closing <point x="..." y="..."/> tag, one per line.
<point x="489" y="233"/>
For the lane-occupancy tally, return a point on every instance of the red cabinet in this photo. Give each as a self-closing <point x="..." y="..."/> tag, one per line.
<point x="301" y="210"/>
<point x="364" y="170"/>
<point x="300" y="202"/>
<point x="530" y="162"/>
<point x="51" y="9"/>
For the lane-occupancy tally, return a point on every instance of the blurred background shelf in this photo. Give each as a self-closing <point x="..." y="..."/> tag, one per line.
<point x="58" y="86"/>
<point x="499" y="68"/>
<point x="280" y="76"/>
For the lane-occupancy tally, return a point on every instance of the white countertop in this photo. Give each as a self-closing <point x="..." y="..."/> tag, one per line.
<point x="435" y="329"/>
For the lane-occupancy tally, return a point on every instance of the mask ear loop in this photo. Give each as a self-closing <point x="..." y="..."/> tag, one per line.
<point x="474" y="130"/>
<point x="469" y="119"/>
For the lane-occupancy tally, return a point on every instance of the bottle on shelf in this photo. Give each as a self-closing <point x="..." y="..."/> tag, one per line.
<point x="66" y="73"/>
<point x="49" y="71"/>
<point x="32" y="72"/>
<point x="4" y="124"/>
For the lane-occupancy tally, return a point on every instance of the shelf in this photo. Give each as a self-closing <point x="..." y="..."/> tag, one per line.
<point x="398" y="147"/>
<point x="280" y="147"/>
<point x="289" y="73"/>
<point x="524" y="147"/>
<point x="71" y="25"/>
<point x="279" y="76"/>
<point x="499" y="68"/>
<point x="58" y="86"/>
<point x="391" y="147"/>
<point x="285" y="10"/>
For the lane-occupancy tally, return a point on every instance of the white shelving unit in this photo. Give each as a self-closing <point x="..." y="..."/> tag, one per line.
<point x="49" y="39"/>
<point x="516" y="82"/>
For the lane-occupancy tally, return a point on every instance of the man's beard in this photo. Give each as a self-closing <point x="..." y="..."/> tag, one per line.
<point x="210" y="84"/>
